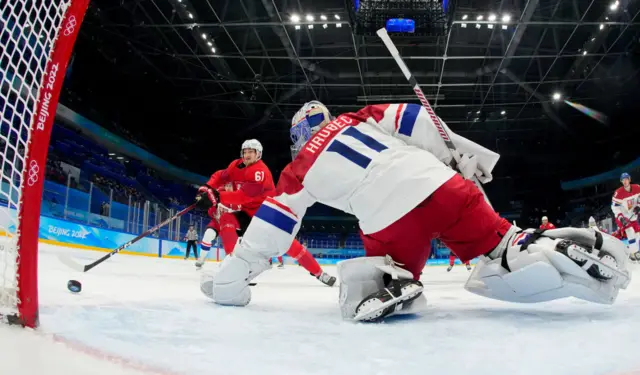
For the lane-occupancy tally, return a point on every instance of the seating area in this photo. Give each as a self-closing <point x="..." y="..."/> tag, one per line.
<point x="89" y="184"/>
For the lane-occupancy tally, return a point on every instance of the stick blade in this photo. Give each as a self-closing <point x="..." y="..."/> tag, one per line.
<point x="67" y="261"/>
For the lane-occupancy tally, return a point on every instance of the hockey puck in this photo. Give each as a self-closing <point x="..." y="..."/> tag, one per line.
<point x="74" y="286"/>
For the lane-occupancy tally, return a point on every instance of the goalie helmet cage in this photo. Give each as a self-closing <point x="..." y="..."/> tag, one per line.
<point x="36" y="40"/>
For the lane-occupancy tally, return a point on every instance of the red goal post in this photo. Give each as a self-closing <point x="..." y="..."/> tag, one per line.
<point x="36" y="40"/>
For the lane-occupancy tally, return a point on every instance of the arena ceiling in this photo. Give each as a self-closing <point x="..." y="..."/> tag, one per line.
<point x="215" y="72"/>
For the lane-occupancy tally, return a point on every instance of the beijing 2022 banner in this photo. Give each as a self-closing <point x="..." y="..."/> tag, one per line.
<point x="77" y="234"/>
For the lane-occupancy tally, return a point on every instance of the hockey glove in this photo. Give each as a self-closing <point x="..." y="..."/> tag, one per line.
<point x="623" y="221"/>
<point x="469" y="166"/>
<point x="207" y="197"/>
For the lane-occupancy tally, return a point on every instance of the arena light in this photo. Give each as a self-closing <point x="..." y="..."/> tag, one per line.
<point x="324" y="26"/>
<point x="323" y="17"/>
<point x="490" y="26"/>
<point x="295" y="18"/>
<point x="614" y="6"/>
<point x="592" y="39"/>
<point x="601" y="26"/>
<point x="204" y="36"/>
<point x="584" y="52"/>
<point x="492" y="17"/>
<point x="310" y="26"/>
<point x="503" y="112"/>
<point x="504" y="27"/>
<point x="213" y="49"/>
<point x="336" y="17"/>
<point x="479" y="18"/>
<point x="338" y="25"/>
<point x="463" y="25"/>
<point x="506" y="18"/>
<point x="210" y="44"/>
<point x="190" y="15"/>
<point x="297" y="27"/>
<point x="309" y="18"/>
<point x="556" y="96"/>
<point x="465" y="17"/>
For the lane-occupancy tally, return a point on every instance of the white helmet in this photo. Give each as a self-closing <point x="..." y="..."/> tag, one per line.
<point x="592" y="221"/>
<point x="309" y="119"/>
<point x="252" y="144"/>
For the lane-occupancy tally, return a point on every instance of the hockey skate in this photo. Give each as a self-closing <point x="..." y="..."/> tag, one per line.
<point x="326" y="279"/>
<point x="599" y="264"/>
<point x="199" y="264"/>
<point x="468" y="267"/>
<point x="449" y="268"/>
<point x="398" y="295"/>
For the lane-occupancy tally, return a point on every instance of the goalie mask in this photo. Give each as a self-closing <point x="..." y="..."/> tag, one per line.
<point x="306" y="122"/>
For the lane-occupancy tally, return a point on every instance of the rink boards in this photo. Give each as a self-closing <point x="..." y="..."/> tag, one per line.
<point x="59" y="232"/>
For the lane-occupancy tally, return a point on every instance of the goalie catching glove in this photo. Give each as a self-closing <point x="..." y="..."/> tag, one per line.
<point x="537" y="265"/>
<point x="469" y="167"/>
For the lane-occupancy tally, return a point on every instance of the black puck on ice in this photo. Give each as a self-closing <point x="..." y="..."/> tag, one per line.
<point x="74" y="286"/>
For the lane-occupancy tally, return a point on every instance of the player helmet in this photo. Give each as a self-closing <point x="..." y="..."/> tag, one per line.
<point x="252" y="144"/>
<point x="625" y="175"/>
<point x="592" y="221"/>
<point x="309" y="119"/>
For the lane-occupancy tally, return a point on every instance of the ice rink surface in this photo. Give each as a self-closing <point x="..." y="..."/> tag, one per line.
<point x="139" y="315"/>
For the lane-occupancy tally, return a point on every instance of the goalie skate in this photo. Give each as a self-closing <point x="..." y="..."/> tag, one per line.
<point x="399" y="295"/>
<point x="599" y="264"/>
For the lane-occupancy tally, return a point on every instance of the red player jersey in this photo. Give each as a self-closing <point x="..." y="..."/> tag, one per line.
<point x="625" y="203"/>
<point x="548" y="226"/>
<point x="251" y="185"/>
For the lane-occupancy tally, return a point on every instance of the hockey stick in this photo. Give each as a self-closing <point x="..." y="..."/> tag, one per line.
<point x="66" y="259"/>
<point x="382" y="33"/>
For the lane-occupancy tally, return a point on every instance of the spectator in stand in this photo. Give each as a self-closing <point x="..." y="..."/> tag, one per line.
<point x="192" y="241"/>
<point x="546" y="224"/>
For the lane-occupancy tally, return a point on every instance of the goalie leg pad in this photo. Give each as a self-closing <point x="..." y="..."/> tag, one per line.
<point x="534" y="267"/>
<point x="229" y="285"/>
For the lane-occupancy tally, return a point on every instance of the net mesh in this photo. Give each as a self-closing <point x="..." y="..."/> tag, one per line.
<point x="28" y="31"/>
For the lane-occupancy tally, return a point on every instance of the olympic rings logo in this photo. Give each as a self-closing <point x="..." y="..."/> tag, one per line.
<point x="70" y="27"/>
<point x="33" y="173"/>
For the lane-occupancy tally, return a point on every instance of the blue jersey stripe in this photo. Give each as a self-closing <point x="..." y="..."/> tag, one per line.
<point x="276" y="218"/>
<point x="366" y="139"/>
<point x="349" y="153"/>
<point x="408" y="119"/>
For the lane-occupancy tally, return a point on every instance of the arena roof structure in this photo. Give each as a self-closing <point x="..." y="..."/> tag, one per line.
<point x="216" y="72"/>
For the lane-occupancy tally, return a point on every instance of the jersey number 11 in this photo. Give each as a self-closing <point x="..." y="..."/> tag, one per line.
<point x="351" y="154"/>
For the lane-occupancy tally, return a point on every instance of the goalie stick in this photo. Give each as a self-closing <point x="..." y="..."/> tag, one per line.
<point x="66" y="259"/>
<point x="382" y="33"/>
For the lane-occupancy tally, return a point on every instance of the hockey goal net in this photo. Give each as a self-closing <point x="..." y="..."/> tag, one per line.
<point x="36" y="39"/>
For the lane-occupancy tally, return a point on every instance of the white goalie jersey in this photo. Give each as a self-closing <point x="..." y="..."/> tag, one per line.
<point x="377" y="164"/>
